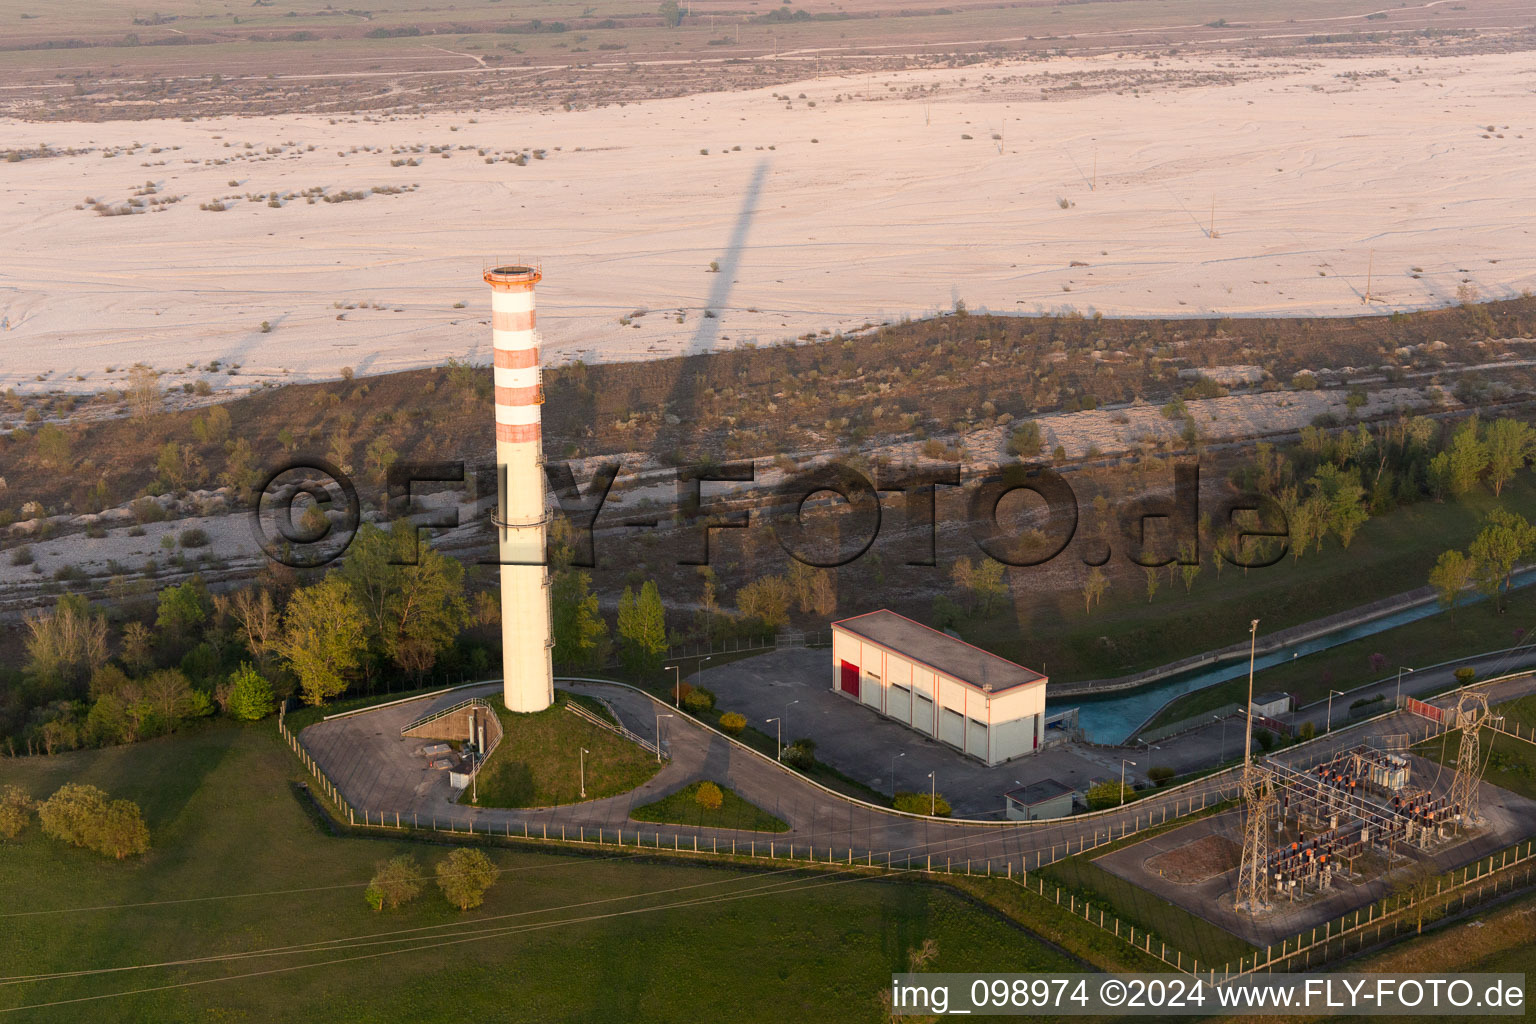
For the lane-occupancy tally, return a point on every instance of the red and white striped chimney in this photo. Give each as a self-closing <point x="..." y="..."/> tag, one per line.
<point x="526" y="637"/>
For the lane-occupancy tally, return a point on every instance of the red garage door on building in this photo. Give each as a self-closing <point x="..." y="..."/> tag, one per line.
<point x="850" y="680"/>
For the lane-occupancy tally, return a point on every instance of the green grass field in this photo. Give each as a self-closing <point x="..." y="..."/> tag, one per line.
<point x="1509" y="763"/>
<point x="683" y="808"/>
<point x="1194" y="935"/>
<point x="538" y="763"/>
<point x="240" y="864"/>
<point x="1477" y="627"/>
<point x="1391" y="554"/>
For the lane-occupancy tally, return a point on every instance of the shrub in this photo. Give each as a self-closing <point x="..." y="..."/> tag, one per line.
<point x="1106" y="794"/>
<point x="733" y="724"/>
<point x="1025" y="441"/>
<point x="1465" y="675"/>
<point x="81" y="815"/>
<point x="22" y="555"/>
<point x="708" y="796"/>
<point x="464" y="876"/>
<point x="395" y="883"/>
<point x="799" y="754"/>
<point x="922" y="803"/>
<point x="1307" y="731"/>
<point x="699" y="700"/>
<point x="250" y="695"/>
<point x="15" y="812"/>
<point x="1160" y="774"/>
<point x="194" y="538"/>
<point x="1266" y="738"/>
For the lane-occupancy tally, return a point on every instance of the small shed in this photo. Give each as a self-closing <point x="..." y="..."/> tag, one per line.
<point x="1046" y="798"/>
<point x="1272" y="704"/>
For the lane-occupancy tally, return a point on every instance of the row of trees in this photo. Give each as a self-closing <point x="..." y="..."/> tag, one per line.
<point x="582" y="639"/>
<point x="1488" y="563"/>
<point x="201" y="653"/>
<point x="463" y="877"/>
<point x="80" y="815"/>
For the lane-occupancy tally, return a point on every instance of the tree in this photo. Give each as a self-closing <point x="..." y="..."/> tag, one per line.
<point x="1452" y="574"/>
<point x="183" y="608"/>
<point x="411" y="597"/>
<point x="1496" y="549"/>
<point x="82" y="816"/>
<point x="579" y="630"/>
<point x="396" y="882"/>
<point x="250" y="695"/>
<point x="671" y="14"/>
<point x="1510" y="444"/>
<point x="1093" y="587"/>
<point x="988" y="585"/>
<point x="1025" y="441"/>
<point x="1468" y="457"/>
<point x="65" y="646"/>
<point x="143" y="391"/>
<point x="256" y="614"/>
<point x="464" y="876"/>
<point x="708" y="796"/>
<point x="15" y="811"/>
<point x="322" y="638"/>
<point x="120" y="831"/>
<point x="169" y="696"/>
<point x="642" y="630"/>
<point x="138" y="645"/>
<point x="1342" y="491"/>
<point x="766" y="598"/>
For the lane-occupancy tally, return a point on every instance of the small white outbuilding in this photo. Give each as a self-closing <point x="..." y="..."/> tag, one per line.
<point x="941" y="686"/>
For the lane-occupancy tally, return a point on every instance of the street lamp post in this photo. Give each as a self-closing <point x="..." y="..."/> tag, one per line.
<point x="933" y="795"/>
<point x="1328" y="725"/>
<point x="1123" y="763"/>
<point x="583" y="769"/>
<point x="704" y="661"/>
<point x="658" y="735"/>
<point x="778" y="749"/>
<point x="788" y="706"/>
<point x="893" y="772"/>
<point x="677" y="685"/>
<point x="1398" y="697"/>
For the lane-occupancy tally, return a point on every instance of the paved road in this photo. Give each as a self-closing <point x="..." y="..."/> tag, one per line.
<point x="382" y="775"/>
<point x="1190" y="751"/>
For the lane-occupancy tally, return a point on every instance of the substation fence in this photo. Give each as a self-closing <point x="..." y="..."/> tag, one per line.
<point x="1506" y="871"/>
<point x="777" y="642"/>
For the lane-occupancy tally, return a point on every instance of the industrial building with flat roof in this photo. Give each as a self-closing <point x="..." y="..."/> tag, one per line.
<point x="983" y="705"/>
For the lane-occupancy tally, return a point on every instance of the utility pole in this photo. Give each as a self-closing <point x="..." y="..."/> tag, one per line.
<point x="1252" y="882"/>
<point x="583" y="769"/>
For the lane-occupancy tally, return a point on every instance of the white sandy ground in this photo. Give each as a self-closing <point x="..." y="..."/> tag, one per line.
<point x="1313" y="167"/>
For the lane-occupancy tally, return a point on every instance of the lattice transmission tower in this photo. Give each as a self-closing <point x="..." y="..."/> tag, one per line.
<point x="1258" y="803"/>
<point x="1471" y="715"/>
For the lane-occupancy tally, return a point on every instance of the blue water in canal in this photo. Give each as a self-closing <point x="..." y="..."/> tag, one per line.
<point x="1111" y="719"/>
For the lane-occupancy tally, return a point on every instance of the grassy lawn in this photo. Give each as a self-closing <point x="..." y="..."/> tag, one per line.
<point x="238" y="864"/>
<point x="683" y="808"/>
<point x="538" y="763"/>
<point x="1194" y="935"/>
<point x="1477" y="628"/>
<point x="1127" y="633"/>
<point x="1511" y="763"/>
